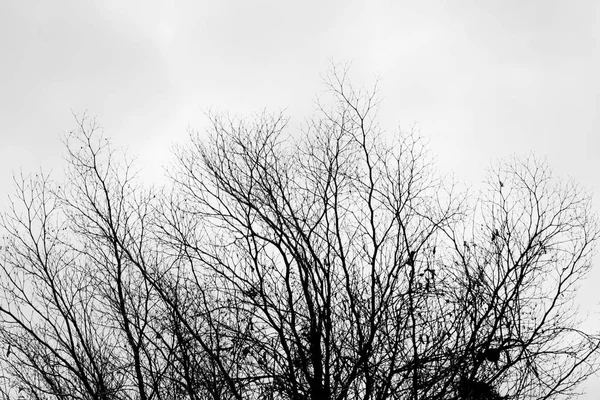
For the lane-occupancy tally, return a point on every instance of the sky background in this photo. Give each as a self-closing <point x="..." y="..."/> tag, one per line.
<point x="481" y="79"/>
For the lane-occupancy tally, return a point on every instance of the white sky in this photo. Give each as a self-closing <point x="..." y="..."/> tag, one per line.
<point x="483" y="79"/>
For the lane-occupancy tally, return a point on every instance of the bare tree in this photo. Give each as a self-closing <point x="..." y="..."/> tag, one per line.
<point x="78" y="318"/>
<point x="352" y="263"/>
<point x="516" y="272"/>
<point x="332" y="264"/>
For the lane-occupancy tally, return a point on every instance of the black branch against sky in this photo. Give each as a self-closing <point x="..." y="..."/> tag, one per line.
<point x="332" y="264"/>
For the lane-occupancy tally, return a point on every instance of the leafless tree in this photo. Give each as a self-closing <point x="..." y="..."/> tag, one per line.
<point x="74" y="314"/>
<point x="515" y="274"/>
<point x="78" y="316"/>
<point x="358" y="278"/>
<point x="335" y="263"/>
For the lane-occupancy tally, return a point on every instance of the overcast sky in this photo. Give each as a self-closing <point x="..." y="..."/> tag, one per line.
<point x="482" y="79"/>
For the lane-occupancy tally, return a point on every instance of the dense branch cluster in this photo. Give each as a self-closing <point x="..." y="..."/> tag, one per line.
<point x="333" y="265"/>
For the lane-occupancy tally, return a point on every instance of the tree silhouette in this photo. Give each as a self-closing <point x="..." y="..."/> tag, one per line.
<point x="331" y="264"/>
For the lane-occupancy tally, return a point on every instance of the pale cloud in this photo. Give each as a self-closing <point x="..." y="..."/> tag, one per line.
<point x="482" y="79"/>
